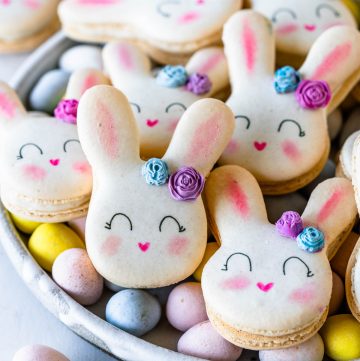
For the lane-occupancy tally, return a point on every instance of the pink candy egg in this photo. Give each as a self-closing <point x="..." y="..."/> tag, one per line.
<point x="203" y="341"/>
<point x="38" y="353"/>
<point x="186" y="306"/>
<point x="337" y="295"/>
<point x="75" y="274"/>
<point x="78" y="225"/>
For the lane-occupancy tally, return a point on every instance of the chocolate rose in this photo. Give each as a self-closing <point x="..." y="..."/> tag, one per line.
<point x="199" y="84"/>
<point x="155" y="172"/>
<point x="313" y="94"/>
<point x="311" y="240"/>
<point x="66" y="110"/>
<point x="290" y="224"/>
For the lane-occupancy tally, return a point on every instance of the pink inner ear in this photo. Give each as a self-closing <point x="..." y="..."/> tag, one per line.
<point x="211" y="63"/>
<point x="332" y="61"/>
<point x="6" y="106"/>
<point x="238" y="198"/>
<point x="249" y="41"/>
<point x="107" y="133"/>
<point x="329" y="206"/>
<point x="90" y="81"/>
<point x="125" y="57"/>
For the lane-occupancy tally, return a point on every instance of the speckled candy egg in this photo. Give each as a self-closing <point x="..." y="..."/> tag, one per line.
<point x="311" y="350"/>
<point x="38" y="353"/>
<point x="337" y="295"/>
<point x="134" y="311"/>
<point x="186" y="306"/>
<point x="76" y="275"/>
<point x="203" y="341"/>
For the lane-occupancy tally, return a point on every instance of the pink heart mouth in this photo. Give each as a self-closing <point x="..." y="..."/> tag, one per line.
<point x="152" y="123"/>
<point x="144" y="246"/>
<point x="54" y="162"/>
<point x="310" y="27"/>
<point x="265" y="288"/>
<point x="260" y="146"/>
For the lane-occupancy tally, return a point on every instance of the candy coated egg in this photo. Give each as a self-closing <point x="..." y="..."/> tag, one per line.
<point x="38" y="353"/>
<point x="51" y="239"/>
<point x="311" y="350"/>
<point x="211" y="248"/>
<point x="81" y="57"/>
<point x="203" y="341"/>
<point x="78" y="225"/>
<point x="162" y="293"/>
<point x="134" y="311"/>
<point x="24" y="225"/>
<point x="186" y="306"/>
<point x="341" y="336"/>
<point x="112" y="286"/>
<point x="76" y="275"/>
<point x="337" y="295"/>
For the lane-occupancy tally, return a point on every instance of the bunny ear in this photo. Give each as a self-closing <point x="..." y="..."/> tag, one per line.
<point x="332" y="209"/>
<point x="249" y="47"/>
<point x="82" y="80"/>
<point x="125" y="60"/>
<point x="356" y="170"/>
<point x="233" y="196"/>
<point x="201" y="136"/>
<point x="107" y="128"/>
<point x="211" y="62"/>
<point x="334" y="57"/>
<point x="10" y="104"/>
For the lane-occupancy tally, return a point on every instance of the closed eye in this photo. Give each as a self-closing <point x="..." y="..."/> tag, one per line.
<point x="285" y="12"/>
<point x="136" y="106"/>
<point x="243" y="117"/>
<point x="301" y="131"/>
<point x="161" y="8"/>
<point x="308" y="271"/>
<point x="226" y="265"/>
<point x="23" y="147"/>
<point x="108" y="225"/>
<point x="173" y="219"/>
<point x="66" y="144"/>
<point x="327" y="8"/>
<point x="175" y="106"/>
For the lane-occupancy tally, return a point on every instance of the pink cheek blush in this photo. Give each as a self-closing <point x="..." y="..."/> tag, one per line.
<point x="177" y="246"/>
<point x="34" y="172"/>
<point x="188" y="18"/>
<point x="82" y="167"/>
<point x="291" y="150"/>
<point x="303" y="295"/>
<point x="235" y="283"/>
<point x="287" y="29"/>
<point x="111" y="246"/>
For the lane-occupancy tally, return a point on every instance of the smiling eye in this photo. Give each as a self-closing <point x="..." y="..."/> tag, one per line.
<point x="70" y="141"/>
<point x="301" y="131"/>
<point x="175" y="107"/>
<point x="173" y="219"/>
<point x="162" y="7"/>
<point x="243" y="117"/>
<point x="108" y="225"/>
<point x="136" y="107"/>
<point x="235" y="255"/>
<point x="283" y="12"/>
<point x="308" y="271"/>
<point x="325" y="8"/>
<point x="28" y="145"/>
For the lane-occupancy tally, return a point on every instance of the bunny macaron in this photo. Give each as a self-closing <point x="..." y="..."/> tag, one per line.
<point x="146" y="225"/>
<point x="281" y="133"/>
<point x="170" y="31"/>
<point x="158" y="102"/>
<point x="269" y="286"/>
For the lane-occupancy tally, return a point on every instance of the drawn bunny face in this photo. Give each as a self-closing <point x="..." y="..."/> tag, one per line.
<point x="158" y="108"/>
<point x="298" y="24"/>
<point x="275" y="138"/>
<point x="260" y="282"/>
<point x="137" y="234"/>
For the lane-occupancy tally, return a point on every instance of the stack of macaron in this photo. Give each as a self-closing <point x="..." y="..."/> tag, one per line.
<point x="198" y="174"/>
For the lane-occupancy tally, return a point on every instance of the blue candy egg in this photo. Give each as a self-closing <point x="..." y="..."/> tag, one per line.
<point x="134" y="311"/>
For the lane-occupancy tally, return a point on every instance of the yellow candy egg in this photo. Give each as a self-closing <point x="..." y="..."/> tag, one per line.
<point x="51" y="239"/>
<point x="211" y="248"/>
<point x="341" y="336"/>
<point x="24" y="225"/>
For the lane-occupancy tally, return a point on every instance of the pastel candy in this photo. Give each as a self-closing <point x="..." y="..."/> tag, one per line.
<point x="113" y="287"/>
<point x="335" y="122"/>
<point x="78" y="225"/>
<point x="81" y="57"/>
<point x="134" y="311"/>
<point x="38" y="353"/>
<point x="161" y="293"/>
<point x="24" y="225"/>
<point x="203" y="341"/>
<point x="49" y="90"/>
<point x="75" y="274"/>
<point x="186" y="307"/>
<point x="211" y="248"/>
<point x="49" y="240"/>
<point x="311" y="350"/>
<point x="337" y="295"/>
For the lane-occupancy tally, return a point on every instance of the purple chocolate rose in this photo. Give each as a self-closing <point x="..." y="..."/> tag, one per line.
<point x="186" y="184"/>
<point x="290" y="224"/>
<point x="66" y="110"/>
<point x="199" y="84"/>
<point x="313" y="94"/>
